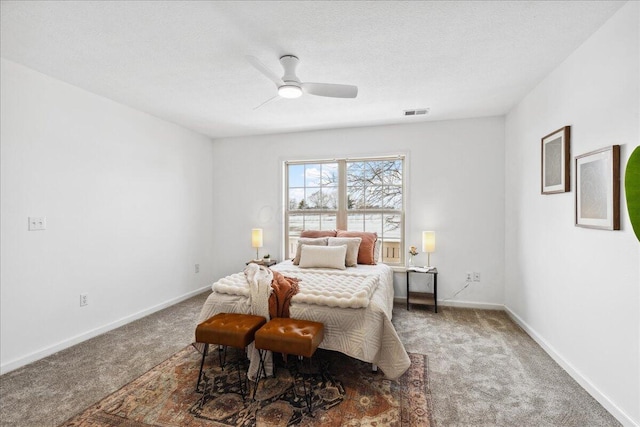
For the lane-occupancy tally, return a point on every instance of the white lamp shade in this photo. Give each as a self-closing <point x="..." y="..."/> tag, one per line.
<point x="256" y="237"/>
<point x="428" y="241"/>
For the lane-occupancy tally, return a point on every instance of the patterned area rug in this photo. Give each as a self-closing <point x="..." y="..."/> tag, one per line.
<point x="347" y="393"/>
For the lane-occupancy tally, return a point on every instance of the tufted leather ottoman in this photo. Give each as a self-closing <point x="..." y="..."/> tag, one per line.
<point x="289" y="336"/>
<point x="227" y="329"/>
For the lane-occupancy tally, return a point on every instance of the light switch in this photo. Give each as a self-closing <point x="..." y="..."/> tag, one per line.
<point x="37" y="223"/>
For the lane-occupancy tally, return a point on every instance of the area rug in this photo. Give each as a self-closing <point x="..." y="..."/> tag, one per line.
<point x="345" y="393"/>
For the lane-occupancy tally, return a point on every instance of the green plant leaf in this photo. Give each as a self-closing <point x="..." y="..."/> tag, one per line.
<point x="632" y="189"/>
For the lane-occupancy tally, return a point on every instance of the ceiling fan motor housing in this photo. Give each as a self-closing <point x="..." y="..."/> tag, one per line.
<point x="289" y="63"/>
<point x="291" y="87"/>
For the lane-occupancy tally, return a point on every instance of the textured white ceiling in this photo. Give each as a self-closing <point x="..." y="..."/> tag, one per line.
<point x="184" y="61"/>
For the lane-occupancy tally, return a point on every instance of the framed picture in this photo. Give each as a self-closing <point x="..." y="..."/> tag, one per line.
<point x="598" y="189"/>
<point x="555" y="161"/>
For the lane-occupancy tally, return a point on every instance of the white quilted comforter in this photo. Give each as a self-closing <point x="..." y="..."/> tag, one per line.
<point x="363" y="333"/>
<point x="346" y="290"/>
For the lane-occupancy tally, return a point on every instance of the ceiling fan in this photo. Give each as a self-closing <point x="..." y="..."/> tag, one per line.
<point x="290" y="86"/>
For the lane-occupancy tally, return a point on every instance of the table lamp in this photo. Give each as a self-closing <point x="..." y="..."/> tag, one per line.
<point x="428" y="244"/>
<point x="256" y="239"/>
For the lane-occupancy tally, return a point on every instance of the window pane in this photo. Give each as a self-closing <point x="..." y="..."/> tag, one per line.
<point x="296" y="175"/>
<point x="373" y="196"/>
<point x="311" y="222"/>
<point x="328" y="222"/>
<point x="299" y="222"/>
<point x="355" y="172"/>
<point x="296" y="195"/>
<point x="330" y="174"/>
<point x="374" y="173"/>
<point x="312" y="175"/>
<point x="373" y="223"/>
<point x="355" y="222"/>
<point x="393" y="173"/>
<point x="313" y="199"/>
<point x="296" y="225"/>
<point x="330" y="198"/>
<point x="355" y="197"/>
<point x="392" y="227"/>
<point x="392" y="198"/>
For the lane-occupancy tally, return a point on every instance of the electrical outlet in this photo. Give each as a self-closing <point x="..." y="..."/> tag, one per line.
<point x="197" y="268"/>
<point x="84" y="300"/>
<point x="476" y="276"/>
<point x="469" y="276"/>
<point x="37" y="223"/>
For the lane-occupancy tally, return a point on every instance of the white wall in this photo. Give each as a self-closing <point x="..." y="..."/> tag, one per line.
<point x="455" y="187"/>
<point x="128" y="202"/>
<point x="576" y="290"/>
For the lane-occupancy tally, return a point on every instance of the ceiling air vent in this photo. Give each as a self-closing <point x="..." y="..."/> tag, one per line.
<point x="419" y="112"/>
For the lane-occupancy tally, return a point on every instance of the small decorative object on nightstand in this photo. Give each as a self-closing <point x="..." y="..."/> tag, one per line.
<point x="413" y="251"/>
<point x="423" y="298"/>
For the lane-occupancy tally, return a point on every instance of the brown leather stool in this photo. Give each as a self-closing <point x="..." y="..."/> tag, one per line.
<point x="289" y="336"/>
<point x="227" y="329"/>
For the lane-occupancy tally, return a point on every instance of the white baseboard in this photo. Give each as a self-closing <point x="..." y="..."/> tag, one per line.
<point x="461" y="304"/>
<point x="37" y="355"/>
<point x="584" y="382"/>
<point x="471" y="304"/>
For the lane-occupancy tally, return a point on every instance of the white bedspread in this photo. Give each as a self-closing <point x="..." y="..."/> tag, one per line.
<point x="344" y="289"/>
<point x="365" y="333"/>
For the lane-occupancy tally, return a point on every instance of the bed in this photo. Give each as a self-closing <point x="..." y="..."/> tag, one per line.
<point x="356" y="324"/>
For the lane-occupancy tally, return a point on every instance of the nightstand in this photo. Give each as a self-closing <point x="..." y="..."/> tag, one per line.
<point x="262" y="262"/>
<point x="423" y="298"/>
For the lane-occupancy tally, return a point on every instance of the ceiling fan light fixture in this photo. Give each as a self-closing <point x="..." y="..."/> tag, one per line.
<point x="289" y="91"/>
<point x="290" y="86"/>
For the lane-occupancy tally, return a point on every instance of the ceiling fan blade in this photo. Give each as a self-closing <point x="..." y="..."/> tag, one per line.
<point x="264" y="70"/>
<point x="330" y="90"/>
<point x="273" y="98"/>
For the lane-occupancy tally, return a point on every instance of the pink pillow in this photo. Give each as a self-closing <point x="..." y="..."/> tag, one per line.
<point x="366" y="252"/>
<point x="318" y="233"/>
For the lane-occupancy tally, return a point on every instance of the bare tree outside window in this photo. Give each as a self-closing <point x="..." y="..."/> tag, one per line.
<point x="374" y="186"/>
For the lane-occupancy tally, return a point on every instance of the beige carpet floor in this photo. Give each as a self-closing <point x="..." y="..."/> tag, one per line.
<point x="483" y="369"/>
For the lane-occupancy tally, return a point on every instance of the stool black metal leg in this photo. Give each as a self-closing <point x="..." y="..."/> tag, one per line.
<point x="308" y="396"/>
<point x="242" y="383"/>
<point x="222" y="357"/>
<point x="204" y="354"/>
<point x="259" y="373"/>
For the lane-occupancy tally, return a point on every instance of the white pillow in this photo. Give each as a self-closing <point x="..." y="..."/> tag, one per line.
<point x="353" y="245"/>
<point x="319" y="241"/>
<point x="323" y="256"/>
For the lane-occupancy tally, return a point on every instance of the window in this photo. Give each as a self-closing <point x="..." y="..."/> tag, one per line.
<point x="347" y="194"/>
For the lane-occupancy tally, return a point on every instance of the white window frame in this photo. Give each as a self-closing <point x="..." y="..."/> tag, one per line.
<point x="342" y="211"/>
